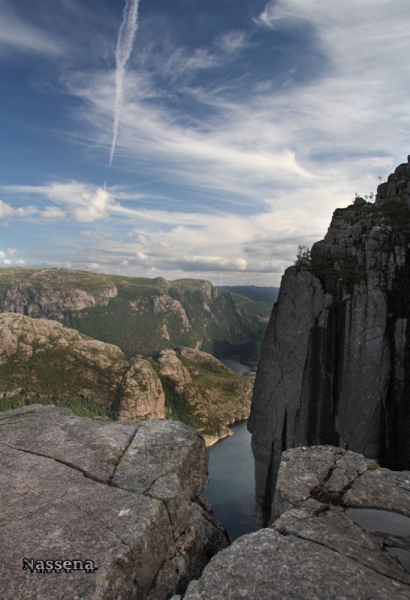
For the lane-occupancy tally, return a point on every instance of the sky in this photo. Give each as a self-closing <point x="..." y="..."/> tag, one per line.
<point x="194" y="138"/>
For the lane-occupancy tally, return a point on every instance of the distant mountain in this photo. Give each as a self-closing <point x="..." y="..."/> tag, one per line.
<point x="253" y="292"/>
<point x="43" y="362"/>
<point x="139" y="315"/>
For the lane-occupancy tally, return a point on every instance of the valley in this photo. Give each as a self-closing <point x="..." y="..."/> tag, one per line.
<point x="139" y="315"/>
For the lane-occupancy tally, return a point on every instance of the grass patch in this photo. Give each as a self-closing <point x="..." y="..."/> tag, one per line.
<point x="177" y="407"/>
<point x="373" y="465"/>
<point x="80" y="406"/>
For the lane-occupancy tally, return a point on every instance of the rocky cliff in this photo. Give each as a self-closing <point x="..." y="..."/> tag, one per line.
<point x="101" y="511"/>
<point x="139" y="315"/>
<point x="202" y="392"/>
<point x="43" y="361"/>
<point x="335" y="364"/>
<point x="318" y="546"/>
<point x="52" y="292"/>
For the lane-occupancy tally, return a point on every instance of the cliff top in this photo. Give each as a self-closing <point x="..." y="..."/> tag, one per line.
<point x="126" y="498"/>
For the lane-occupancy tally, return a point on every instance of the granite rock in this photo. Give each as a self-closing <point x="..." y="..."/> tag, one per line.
<point x="313" y="549"/>
<point x="269" y="566"/>
<point x="40" y="358"/>
<point x="127" y="497"/>
<point x="335" y="367"/>
<point x="53" y="291"/>
<point x="215" y="394"/>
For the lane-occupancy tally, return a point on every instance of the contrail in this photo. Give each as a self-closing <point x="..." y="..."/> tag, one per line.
<point x="125" y="43"/>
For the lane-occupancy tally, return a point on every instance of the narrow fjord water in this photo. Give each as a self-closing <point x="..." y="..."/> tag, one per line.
<point x="231" y="489"/>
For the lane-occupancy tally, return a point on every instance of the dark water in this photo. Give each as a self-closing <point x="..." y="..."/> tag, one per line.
<point x="235" y="365"/>
<point x="393" y="527"/>
<point x="231" y="490"/>
<point x="380" y="521"/>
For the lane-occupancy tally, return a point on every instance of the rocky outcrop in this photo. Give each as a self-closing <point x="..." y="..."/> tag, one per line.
<point x="141" y="394"/>
<point x="203" y="392"/>
<point x="43" y="361"/>
<point x="51" y="292"/>
<point x="314" y="548"/>
<point x="42" y="358"/>
<point x="335" y="367"/>
<point x="168" y="306"/>
<point x="122" y="500"/>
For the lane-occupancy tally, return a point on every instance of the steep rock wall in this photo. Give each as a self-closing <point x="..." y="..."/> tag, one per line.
<point x="52" y="292"/>
<point x="335" y="364"/>
<point x="139" y="315"/>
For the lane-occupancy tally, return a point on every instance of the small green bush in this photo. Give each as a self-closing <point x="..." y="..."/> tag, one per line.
<point x="303" y="258"/>
<point x="373" y="465"/>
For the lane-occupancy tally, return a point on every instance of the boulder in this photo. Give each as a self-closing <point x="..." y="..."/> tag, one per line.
<point x="269" y="566"/>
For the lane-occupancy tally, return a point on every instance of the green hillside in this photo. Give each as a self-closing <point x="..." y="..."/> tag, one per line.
<point x="258" y="293"/>
<point x="140" y="315"/>
<point x="43" y="362"/>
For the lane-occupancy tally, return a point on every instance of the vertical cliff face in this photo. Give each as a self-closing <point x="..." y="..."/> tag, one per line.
<point x="335" y="364"/>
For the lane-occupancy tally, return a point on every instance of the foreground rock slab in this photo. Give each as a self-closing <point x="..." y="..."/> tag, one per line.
<point x="313" y="549"/>
<point x="269" y="566"/>
<point x="127" y="498"/>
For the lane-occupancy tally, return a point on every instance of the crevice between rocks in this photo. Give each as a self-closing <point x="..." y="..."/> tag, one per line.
<point x="336" y="497"/>
<point x="121" y="456"/>
<point x="58" y="460"/>
<point x="72" y="466"/>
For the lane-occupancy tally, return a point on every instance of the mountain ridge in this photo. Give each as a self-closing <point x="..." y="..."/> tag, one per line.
<point x="140" y="315"/>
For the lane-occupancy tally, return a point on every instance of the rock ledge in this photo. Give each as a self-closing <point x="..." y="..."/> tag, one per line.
<point x="127" y="497"/>
<point x="312" y="549"/>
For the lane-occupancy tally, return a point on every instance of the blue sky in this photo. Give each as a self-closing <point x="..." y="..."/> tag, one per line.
<point x="235" y="128"/>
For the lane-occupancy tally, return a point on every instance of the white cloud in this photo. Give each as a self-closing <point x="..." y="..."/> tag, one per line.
<point x="11" y="251"/>
<point x="7" y="211"/>
<point x="51" y="212"/>
<point x="85" y="203"/>
<point x="290" y="151"/>
<point x="94" y="206"/>
<point x="20" y="262"/>
<point x="6" y="261"/>
<point x="346" y="122"/>
<point x="232" y="41"/>
<point x="2" y="254"/>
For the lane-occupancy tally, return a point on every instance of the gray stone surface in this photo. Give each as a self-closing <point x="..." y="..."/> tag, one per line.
<point x="334" y="367"/>
<point x="301" y="471"/>
<point x="334" y="530"/>
<point x="381" y="488"/>
<point x="93" y="448"/>
<point x="313" y="549"/>
<point x="62" y="498"/>
<point x="269" y="566"/>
